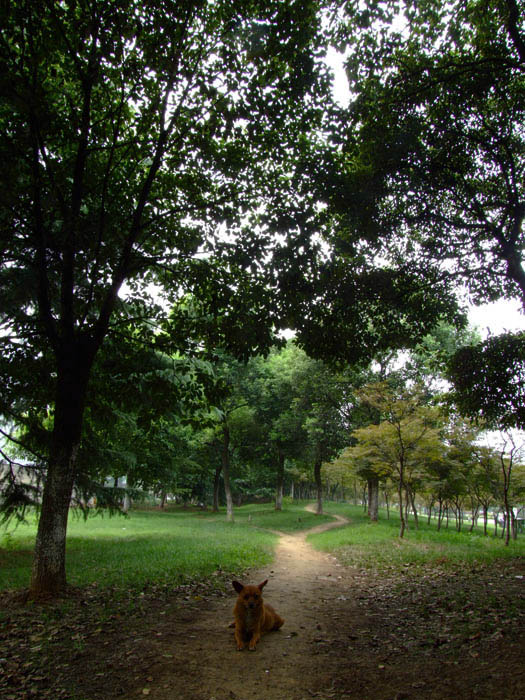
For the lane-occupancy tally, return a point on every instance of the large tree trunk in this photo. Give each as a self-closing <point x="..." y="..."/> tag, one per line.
<point x="280" y="481"/>
<point x="373" y="498"/>
<point x="48" y="576"/>
<point x="49" y="564"/>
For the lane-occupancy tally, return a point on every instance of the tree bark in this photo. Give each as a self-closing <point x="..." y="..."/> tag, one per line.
<point x="475" y="510"/>
<point x="430" y="506"/>
<point x="48" y="577"/>
<point x="280" y="481"/>
<point x="318" y="485"/>
<point x="402" y="523"/>
<point x="411" y="496"/>
<point x="226" y="471"/>
<point x="216" y="486"/>
<point x="373" y="498"/>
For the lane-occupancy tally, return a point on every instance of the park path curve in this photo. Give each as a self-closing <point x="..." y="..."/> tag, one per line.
<point x="308" y="588"/>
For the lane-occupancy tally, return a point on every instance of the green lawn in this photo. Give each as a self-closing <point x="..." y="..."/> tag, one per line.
<point x="156" y="547"/>
<point x="293" y="517"/>
<point x="168" y="548"/>
<point x="377" y="545"/>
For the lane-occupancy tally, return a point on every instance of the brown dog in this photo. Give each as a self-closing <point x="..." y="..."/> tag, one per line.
<point x="252" y="616"/>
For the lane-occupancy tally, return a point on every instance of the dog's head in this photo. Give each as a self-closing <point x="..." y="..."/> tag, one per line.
<point x="250" y="596"/>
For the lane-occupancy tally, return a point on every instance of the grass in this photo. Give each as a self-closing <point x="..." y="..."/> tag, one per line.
<point x="168" y="548"/>
<point x="377" y="545"/>
<point x="145" y="547"/>
<point x="156" y="547"/>
<point x="293" y="517"/>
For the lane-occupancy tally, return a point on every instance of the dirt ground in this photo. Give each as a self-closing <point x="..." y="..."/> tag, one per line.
<point x="348" y="633"/>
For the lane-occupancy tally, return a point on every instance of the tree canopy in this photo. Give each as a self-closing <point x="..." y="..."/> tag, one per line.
<point x="432" y="142"/>
<point x="137" y="133"/>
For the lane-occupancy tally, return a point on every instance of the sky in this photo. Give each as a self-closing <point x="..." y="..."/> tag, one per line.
<point x="498" y="317"/>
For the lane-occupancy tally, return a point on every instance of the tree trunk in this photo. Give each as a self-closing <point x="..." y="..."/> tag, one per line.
<point x="402" y="523"/>
<point x="373" y="498"/>
<point x="318" y="485"/>
<point x="126" y="502"/>
<point x="430" y="506"/>
<point x="280" y="481"/>
<point x="226" y="471"/>
<point x="475" y="511"/>
<point x="485" y="518"/>
<point x="48" y="575"/>
<point x="514" y="525"/>
<point x="216" y="487"/>
<point x="412" y="498"/>
<point x="387" y="502"/>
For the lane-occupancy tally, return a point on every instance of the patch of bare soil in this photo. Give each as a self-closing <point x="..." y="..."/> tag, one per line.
<point x="347" y="634"/>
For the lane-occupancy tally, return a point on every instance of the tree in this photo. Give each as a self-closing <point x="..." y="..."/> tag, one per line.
<point x="509" y="453"/>
<point x="489" y="381"/>
<point x="428" y="361"/>
<point x="135" y="130"/>
<point x="319" y="401"/>
<point x="486" y="480"/>
<point x="434" y="141"/>
<point x="274" y="396"/>
<point x="406" y="438"/>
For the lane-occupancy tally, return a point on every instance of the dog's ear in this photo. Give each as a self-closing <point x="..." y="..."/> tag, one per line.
<point x="238" y="586"/>
<point x="262" y="585"/>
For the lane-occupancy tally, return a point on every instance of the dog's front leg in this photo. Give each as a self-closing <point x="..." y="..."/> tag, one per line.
<point x="255" y="638"/>
<point x="239" y="636"/>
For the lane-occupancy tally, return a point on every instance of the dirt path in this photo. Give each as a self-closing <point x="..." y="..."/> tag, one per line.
<point x="348" y="634"/>
<point x="303" y="586"/>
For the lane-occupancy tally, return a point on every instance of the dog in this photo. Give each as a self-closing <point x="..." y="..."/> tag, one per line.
<point x="252" y="616"/>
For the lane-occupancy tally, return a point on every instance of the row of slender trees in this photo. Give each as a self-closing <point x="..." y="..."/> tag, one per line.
<point x="433" y="460"/>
